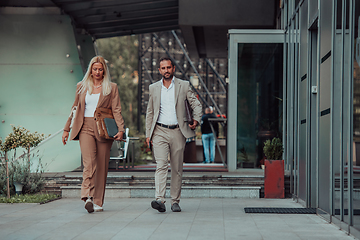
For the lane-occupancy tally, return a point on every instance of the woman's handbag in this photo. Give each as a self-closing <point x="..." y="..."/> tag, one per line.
<point x="72" y="115"/>
<point x="100" y="115"/>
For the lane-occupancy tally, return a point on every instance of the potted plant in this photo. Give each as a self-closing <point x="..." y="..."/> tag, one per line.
<point x="274" y="169"/>
<point x="18" y="172"/>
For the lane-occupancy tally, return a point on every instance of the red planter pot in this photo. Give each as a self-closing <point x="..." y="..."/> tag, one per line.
<point x="274" y="179"/>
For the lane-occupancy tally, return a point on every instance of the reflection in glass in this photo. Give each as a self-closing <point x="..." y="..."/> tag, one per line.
<point x="356" y="122"/>
<point x="259" y="113"/>
<point x="356" y="136"/>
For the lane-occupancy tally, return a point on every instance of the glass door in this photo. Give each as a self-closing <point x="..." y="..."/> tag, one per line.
<point x="255" y="94"/>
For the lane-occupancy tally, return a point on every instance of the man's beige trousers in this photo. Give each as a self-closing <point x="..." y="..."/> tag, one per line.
<point x="168" y="141"/>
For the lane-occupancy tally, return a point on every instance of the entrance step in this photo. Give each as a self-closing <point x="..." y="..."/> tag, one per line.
<point x="194" y="185"/>
<point x="119" y="191"/>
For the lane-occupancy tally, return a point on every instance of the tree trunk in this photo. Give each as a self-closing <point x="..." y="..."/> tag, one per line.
<point x="7" y="175"/>
<point x="29" y="158"/>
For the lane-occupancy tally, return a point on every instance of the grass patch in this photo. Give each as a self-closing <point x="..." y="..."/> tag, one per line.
<point x="30" y="198"/>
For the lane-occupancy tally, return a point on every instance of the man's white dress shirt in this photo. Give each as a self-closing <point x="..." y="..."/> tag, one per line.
<point x="167" y="114"/>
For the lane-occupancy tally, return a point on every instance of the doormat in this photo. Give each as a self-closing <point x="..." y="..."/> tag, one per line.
<point x="281" y="210"/>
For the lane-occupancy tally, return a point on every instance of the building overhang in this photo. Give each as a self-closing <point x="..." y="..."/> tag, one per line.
<point x="204" y="23"/>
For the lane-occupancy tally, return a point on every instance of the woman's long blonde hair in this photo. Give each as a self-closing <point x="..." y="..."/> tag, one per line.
<point x="87" y="83"/>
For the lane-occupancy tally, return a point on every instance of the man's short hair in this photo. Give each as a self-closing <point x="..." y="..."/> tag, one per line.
<point x="166" y="59"/>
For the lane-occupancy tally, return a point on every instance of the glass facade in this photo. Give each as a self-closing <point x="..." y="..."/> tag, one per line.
<point x="306" y="89"/>
<point x="322" y="109"/>
<point x="259" y="100"/>
<point x="356" y="120"/>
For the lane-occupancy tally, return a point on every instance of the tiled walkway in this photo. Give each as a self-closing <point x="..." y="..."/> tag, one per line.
<point x="133" y="218"/>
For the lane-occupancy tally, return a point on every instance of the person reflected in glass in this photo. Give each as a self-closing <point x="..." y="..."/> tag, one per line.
<point x="207" y="136"/>
<point x="94" y="91"/>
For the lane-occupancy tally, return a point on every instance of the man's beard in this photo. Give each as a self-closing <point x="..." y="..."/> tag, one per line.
<point x="168" y="78"/>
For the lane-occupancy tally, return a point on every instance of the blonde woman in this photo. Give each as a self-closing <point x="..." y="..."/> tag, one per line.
<point x="95" y="90"/>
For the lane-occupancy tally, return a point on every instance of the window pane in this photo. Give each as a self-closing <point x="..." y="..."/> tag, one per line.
<point x="259" y="113"/>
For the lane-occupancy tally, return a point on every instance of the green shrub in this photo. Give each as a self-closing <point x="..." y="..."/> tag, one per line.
<point x="273" y="149"/>
<point x="19" y="171"/>
<point x="20" y="168"/>
<point x="2" y="177"/>
<point x="30" y="198"/>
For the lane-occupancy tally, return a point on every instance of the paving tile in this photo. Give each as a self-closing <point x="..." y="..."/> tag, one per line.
<point x="133" y="218"/>
<point x="207" y="230"/>
<point x="199" y="193"/>
<point x="34" y="230"/>
<point x="68" y="231"/>
<point x="219" y="193"/>
<point x="13" y="226"/>
<point x="101" y="231"/>
<point x="140" y="193"/>
<point x="279" y="235"/>
<point x="117" y="193"/>
<point x="166" y="229"/>
<point x="243" y="235"/>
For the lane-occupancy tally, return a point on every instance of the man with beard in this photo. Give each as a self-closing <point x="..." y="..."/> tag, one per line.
<point x="167" y="130"/>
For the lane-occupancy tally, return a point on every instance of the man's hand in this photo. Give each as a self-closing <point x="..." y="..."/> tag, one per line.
<point x="193" y="126"/>
<point x="65" y="137"/>
<point x="118" y="136"/>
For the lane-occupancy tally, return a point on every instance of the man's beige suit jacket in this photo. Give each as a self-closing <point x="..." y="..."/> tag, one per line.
<point x="182" y="91"/>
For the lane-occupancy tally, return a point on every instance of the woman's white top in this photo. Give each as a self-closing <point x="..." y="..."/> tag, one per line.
<point x="91" y="102"/>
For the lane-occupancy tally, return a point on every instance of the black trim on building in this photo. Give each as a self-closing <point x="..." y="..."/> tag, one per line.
<point x="304" y="77"/>
<point x="325" y="112"/>
<point x="326" y="57"/>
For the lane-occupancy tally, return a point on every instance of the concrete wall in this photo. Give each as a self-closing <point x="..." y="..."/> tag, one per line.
<point x="40" y="66"/>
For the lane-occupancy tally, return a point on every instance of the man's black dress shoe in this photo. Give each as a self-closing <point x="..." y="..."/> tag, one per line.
<point x="158" y="205"/>
<point x="175" y="207"/>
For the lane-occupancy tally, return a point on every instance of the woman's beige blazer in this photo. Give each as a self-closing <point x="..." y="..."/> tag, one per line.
<point x="111" y="101"/>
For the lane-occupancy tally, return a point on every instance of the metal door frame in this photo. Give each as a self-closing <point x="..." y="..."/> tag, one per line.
<point x="235" y="37"/>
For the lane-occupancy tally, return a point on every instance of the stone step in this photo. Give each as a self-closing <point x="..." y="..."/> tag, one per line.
<point x="132" y="181"/>
<point x="143" y="185"/>
<point x="149" y="178"/>
<point x="137" y="180"/>
<point x="190" y="184"/>
<point x="119" y="191"/>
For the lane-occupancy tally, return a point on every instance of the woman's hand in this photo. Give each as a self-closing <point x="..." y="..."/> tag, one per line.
<point x="65" y="137"/>
<point x="118" y="136"/>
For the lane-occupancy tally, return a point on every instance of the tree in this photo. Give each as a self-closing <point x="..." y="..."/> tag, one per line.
<point x="122" y="56"/>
